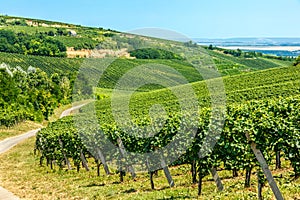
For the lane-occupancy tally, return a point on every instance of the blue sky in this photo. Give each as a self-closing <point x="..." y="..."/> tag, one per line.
<point x="193" y="18"/>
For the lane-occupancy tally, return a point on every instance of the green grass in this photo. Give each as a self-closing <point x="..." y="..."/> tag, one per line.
<point x="35" y="20"/>
<point x="20" y="173"/>
<point x="26" y="126"/>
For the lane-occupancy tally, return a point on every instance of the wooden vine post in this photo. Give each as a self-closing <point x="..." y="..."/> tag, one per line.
<point x="103" y="161"/>
<point x="217" y="179"/>
<point x="278" y="162"/>
<point x="83" y="161"/>
<point x="259" y="156"/>
<point x="124" y="154"/>
<point x="215" y="176"/>
<point x="167" y="172"/>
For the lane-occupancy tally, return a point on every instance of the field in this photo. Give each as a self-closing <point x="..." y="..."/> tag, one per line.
<point x="273" y="84"/>
<point x="229" y="65"/>
<point x="259" y="85"/>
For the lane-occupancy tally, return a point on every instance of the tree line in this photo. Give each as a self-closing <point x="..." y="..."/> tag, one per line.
<point x="297" y="61"/>
<point x="150" y="53"/>
<point x="36" y="44"/>
<point x="31" y="94"/>
<point x="247" y="54"/>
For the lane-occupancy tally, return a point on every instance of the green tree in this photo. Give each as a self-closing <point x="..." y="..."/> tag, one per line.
<point x="297" y="61"/>
<point x="8" y="87"/>
<point x="51" y="33"/>
<point x="21" y="22"/>
<point x="2" y="20"/>
<point x="8" y="35"/>
<point x="37" y="44"/>
<point x="65" y="87"/>
<point x="190" y="44"/>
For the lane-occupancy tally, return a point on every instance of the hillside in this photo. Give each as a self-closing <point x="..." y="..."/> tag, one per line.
<point x="80" y="40"/>
<point x="27" y="41"/>
<point x="49" y="65"/>
<point x="259" y="85"/>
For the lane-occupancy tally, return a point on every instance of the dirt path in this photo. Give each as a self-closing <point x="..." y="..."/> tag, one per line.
<point x="6" y="195"/>
<point x="9" y="143"/>
<point x="69" y="111"/>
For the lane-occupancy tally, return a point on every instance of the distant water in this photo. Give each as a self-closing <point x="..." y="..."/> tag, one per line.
<point x="279" y="53"/>
<point x="263" y="45"/>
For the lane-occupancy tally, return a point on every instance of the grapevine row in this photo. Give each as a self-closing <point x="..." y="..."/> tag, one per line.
<point x="271" y="124"/>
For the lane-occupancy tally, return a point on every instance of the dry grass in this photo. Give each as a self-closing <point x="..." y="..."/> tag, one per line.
<point x="20" y="173"/>
<point x="18" y="129"/>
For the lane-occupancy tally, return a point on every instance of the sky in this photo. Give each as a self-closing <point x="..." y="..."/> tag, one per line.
<point x="192" y="18"/>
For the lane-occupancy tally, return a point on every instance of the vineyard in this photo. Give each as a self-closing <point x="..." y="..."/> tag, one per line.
<point x="272" y="125"/>
<point x="229" y="65"/>
<point x="254" y="89"/>
<point x="262" y="115"/>
<point x="47" y="64"/>
<point x="235" y="124"/>
<point x="120" y="66"/>
<point x="272" y="83"/>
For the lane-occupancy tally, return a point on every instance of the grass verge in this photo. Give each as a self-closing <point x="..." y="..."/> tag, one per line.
<point x="18" y="129"/>
<point x="26" y="126"/>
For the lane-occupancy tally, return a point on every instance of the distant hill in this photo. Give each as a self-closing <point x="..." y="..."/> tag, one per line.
<point x="80" y="41"/>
